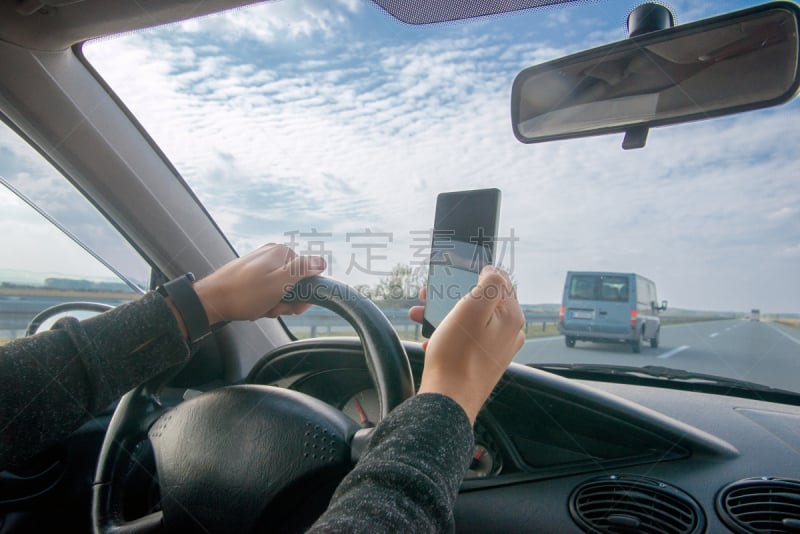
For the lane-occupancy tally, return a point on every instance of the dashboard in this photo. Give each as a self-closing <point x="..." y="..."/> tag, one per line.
<point x="553" y="453"/>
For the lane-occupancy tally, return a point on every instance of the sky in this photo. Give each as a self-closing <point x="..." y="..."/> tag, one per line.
<point x="33" y="248"/>
<point x="328" y="125"/>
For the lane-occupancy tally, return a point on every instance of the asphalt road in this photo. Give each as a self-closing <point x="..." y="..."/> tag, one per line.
<point x="761" y="352"/>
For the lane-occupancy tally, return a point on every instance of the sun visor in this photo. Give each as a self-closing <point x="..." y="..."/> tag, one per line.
<point x="430" y="11"/>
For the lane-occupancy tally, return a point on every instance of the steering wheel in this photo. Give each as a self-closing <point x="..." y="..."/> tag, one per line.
<point x="235" y="457"/>
<point x="64" y="307"/>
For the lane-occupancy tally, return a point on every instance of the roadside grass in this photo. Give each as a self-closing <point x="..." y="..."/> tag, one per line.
<point x="794" y="323"/>
<point x="534" y="330"/>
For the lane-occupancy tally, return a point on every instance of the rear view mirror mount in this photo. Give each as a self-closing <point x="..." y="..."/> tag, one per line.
<point x="719" y="66"/>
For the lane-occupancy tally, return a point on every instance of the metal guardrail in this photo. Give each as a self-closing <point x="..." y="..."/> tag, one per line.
<point x="319" y="322"/>
<point x="17" y="311"/>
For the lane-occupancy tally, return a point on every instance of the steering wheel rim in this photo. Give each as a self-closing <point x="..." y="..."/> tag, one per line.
<point x="391" y="373"/>
<point x="298" y="422"/>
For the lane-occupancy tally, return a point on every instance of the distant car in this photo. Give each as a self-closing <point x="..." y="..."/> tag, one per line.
<point x="610" y="308"/>
<point x="755" y="314"/>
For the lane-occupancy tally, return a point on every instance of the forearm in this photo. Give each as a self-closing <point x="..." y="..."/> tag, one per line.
<point x="408" y="478"/>
<point x="56" y="380"/>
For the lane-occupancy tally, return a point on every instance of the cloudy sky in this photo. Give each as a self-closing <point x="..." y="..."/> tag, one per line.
<point x="328" y="123"/>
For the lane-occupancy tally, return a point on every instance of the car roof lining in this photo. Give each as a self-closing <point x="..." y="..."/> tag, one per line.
<point x="50" y="25"/>
<point x="58" y="27"/>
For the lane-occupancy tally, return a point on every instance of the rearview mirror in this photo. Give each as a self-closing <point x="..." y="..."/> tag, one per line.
<point x="728" y="64"/>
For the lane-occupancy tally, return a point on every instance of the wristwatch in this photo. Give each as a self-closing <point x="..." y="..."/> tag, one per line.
<point x="188" y="304"/>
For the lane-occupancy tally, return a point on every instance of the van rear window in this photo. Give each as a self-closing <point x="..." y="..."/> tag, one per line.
<point x="599" y="287"/>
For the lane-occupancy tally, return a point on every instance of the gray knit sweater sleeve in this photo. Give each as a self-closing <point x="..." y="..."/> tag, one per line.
<point x="56" y="380"/>
<point x="408" y="478"/>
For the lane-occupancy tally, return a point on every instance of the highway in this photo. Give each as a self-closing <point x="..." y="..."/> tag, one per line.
<point x="762" y="352"/>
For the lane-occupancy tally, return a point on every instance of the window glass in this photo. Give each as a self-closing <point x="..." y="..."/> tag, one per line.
<point x="596" y="287"/>
<point x="41" y="265"/>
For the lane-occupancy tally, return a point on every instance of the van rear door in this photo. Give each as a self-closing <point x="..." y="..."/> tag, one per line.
<point x="598" y="303"/>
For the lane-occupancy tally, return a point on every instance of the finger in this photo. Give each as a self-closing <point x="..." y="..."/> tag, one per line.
<point x="493" y="288"/>
<point x="423" y="293"/>
<point x="416" y="313"/>
<point x="295" y="270"/>
<point x="519" y="342"/>
<point x="304" y="266"/>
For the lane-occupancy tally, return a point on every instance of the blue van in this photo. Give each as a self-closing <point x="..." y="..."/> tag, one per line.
<point x="610" y="308"/>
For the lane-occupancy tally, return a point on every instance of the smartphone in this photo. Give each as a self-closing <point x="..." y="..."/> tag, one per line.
<point x="463" y="242"/>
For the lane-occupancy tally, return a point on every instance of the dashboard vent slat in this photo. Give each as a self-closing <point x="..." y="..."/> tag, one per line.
<point x="624" y="504"/>
<point x="761" y="504"/>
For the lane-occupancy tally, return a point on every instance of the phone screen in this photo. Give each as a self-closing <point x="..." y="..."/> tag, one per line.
<point x="463" y="242"/>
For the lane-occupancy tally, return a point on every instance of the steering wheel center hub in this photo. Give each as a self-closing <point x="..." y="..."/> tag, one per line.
<point x="244" y="446"/>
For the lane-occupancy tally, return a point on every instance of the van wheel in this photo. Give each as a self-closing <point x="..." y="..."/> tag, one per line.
<point x="636" y="345"/>
<point x="654" y="339"/>
<point x="569" y="341"/>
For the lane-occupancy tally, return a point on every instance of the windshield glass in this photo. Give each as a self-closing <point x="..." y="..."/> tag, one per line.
<point x="330" y="126"/>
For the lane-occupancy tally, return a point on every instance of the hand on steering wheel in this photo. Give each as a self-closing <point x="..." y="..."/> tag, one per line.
<point x="233" y="456"/>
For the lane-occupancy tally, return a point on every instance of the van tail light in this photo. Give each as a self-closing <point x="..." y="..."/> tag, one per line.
<point x="561" y="314"/>
<point x="633" y="318"/>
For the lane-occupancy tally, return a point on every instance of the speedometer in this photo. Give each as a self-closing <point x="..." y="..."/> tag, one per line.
<point x="482" y="464"/>
<point x="363" y="408"/>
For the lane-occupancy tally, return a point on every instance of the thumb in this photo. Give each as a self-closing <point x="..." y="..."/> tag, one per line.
<point x="493" y="286"/>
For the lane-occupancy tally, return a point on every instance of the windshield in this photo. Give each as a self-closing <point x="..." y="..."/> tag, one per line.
<point x="330" y="126"/>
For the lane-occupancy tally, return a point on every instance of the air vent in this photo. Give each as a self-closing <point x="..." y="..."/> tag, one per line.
<point x="763" y="504"/>
<point x="627" y="504"/>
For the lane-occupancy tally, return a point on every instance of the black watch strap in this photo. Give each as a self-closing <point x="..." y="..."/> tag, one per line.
<point x="188" y="304"/>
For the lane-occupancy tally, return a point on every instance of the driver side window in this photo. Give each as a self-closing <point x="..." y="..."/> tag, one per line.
<point x="40" y="265"/>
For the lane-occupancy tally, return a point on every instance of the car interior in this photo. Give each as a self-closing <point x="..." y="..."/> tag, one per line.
<point x="584" y="446"/>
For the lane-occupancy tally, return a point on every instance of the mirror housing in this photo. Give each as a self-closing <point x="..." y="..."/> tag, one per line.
<point x="728" y="64"/>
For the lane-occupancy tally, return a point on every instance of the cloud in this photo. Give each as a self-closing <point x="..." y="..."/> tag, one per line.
<point x="783" y="213"/>
<point x="276" y="21"/>
<point x="792" y="252"/>
<point x="347" y="135"/>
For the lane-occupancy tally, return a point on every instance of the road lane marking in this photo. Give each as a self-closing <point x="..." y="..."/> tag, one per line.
<point x="673" y="352"/>
<point x="785" y="334"/>
<point x="715" y="334"/>
<point x="538" y="339"/>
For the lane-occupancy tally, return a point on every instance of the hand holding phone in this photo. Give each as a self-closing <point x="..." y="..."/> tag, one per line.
<point x="475" y="343"/>
<point x="463" y="242"/>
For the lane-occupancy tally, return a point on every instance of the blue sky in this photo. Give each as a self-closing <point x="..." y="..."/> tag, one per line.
<point x="328" y="118"/>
